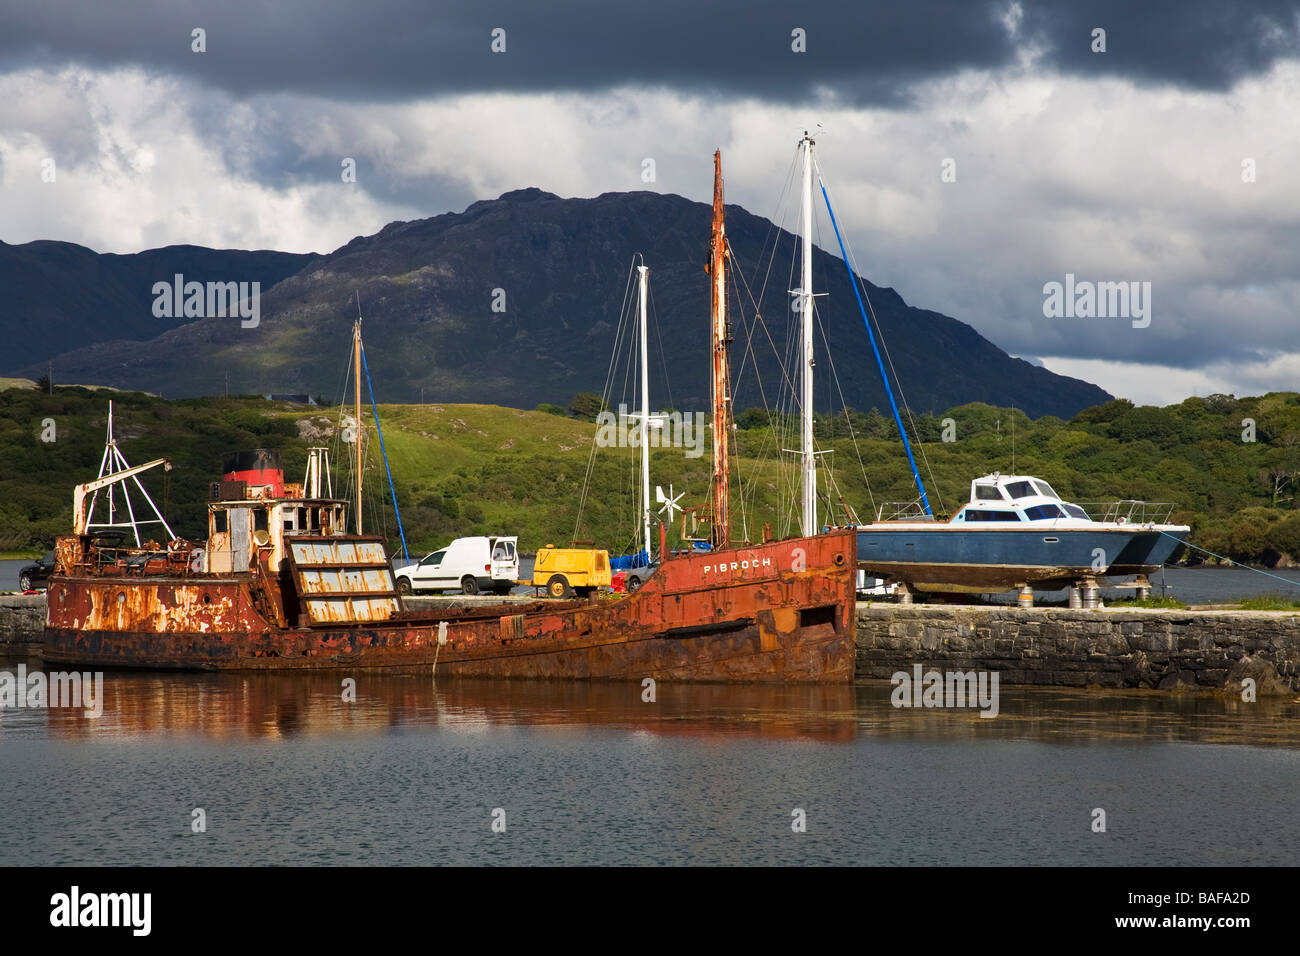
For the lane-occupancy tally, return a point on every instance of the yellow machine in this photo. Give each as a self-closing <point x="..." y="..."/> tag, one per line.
<point x="565" y="571"/>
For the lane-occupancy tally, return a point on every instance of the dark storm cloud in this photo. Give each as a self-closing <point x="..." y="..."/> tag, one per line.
<point x="862" y="53"/>
<point x="1207" y="45"/>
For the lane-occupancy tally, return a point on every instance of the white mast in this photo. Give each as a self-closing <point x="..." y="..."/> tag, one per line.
<point x="806" y="314"/>
<point x="645" y="416"/>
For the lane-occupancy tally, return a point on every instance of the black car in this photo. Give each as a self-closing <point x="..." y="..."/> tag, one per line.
<point x="36" y="575"/>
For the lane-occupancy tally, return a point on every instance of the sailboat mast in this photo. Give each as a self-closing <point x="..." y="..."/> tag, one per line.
<point x="356" y="359"/>
<point x="809" y="522"/>
<point x="721" y="375"/>
<point x="645" y="417"/>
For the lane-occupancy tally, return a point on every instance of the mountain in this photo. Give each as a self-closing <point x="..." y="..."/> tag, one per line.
<point x="428" y="288"/>
<point x="54" y="295"/>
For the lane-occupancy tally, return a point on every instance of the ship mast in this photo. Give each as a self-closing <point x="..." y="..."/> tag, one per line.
<point x="356" y="359"/>
<point x="805" y="303"/>
<point x="721" y="375"/>
<point x="645" y="416"/>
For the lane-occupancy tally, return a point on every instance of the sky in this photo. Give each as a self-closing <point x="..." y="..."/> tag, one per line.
<point x="975" y="151"/>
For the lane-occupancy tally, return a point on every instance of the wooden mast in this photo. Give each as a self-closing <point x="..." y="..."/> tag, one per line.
<point x="356" y="359"/>
<point x="721" y="534"/>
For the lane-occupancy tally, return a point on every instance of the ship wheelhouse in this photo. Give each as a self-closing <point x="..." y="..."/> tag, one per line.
<point x="237" y="528"/>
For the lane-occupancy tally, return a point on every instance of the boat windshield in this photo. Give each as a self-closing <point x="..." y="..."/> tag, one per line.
<point x="1074" y="511"/>
<point x="1043" y="512"/>
<point x="1021" y="489"/>
<point x="1045" y="489"/>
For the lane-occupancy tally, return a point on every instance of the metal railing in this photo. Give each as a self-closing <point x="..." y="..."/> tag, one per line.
<point x="1129" y="511"/>
<point x="902" y="511"/>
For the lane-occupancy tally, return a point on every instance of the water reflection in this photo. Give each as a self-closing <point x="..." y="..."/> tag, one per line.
<point x="269" y="706"/>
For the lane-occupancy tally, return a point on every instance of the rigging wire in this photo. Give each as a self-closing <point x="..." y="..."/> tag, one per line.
<point x="777" y="424"/>
<point x="609" y="378"/>
<point x="859" y="287"/>
<point x="365" y="366"/>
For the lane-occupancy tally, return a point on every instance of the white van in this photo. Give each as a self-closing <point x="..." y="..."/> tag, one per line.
<point x="468" y="565"/>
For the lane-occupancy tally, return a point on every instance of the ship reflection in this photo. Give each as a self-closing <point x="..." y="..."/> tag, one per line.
<point x="269" y="706"/>
<point x="286" y="705"/>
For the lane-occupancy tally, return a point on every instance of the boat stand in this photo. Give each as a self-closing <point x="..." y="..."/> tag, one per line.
<point x="1086" y="594"/>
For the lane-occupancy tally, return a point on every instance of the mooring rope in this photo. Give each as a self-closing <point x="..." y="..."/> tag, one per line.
<point x="1294" y="584"/>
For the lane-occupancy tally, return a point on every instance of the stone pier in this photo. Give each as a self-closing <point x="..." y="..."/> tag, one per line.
<point x="1130" y="647"/>
<point x="22" y="622"/>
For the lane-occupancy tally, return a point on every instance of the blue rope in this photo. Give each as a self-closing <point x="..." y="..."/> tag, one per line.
<point x="1232" y="562"/>
<point x="879" y="363"/>
<point x="375" y="408"/>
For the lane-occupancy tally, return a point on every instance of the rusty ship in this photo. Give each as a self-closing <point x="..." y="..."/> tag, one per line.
<point x="281" y="583"/>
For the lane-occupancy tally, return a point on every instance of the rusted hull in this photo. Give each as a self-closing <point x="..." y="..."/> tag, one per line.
<point x="777" y="612"/>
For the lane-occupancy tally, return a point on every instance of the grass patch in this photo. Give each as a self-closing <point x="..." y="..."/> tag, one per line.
<point x="1149" y="602"/>
<point x="1269" y="602"/>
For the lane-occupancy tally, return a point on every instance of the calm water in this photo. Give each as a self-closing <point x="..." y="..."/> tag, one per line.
<point x="589" y="773"/>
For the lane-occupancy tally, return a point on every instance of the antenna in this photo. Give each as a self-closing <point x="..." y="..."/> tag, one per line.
<point x="1013" y="439"/>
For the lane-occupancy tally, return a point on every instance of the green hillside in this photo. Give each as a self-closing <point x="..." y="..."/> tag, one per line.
<point x="464" y="469"/>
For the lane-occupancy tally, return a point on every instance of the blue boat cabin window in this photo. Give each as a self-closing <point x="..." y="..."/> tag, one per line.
<point x="1042" y="512"/>
<point x="1074" y="511"/>
<point x="974" y="515"/>
<point x="987" y="493"/>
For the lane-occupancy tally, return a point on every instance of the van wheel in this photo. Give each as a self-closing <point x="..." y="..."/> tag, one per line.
<point x="558" y="586"/>
<point x="633" y="584"/>
<point x="468" y="585"/>
<point x="403" y="585"/>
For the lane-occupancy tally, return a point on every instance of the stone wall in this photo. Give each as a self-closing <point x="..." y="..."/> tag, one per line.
<point x="1074" y="648"/>
<point x="22" y="621"/>
<point x="1047" y="646"/>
